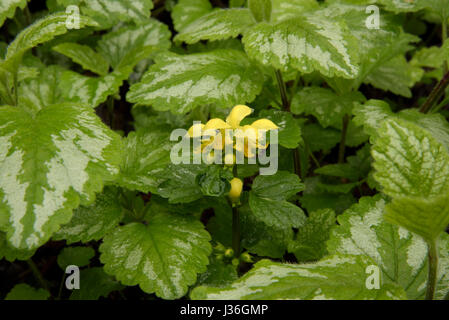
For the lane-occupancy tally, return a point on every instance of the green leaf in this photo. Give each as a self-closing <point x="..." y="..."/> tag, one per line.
<point x="409" y="161"/>
<point x="321" y="280"/>
<point x="110" y="12"/>
<point x="25" y="292"/>
<point x="261" y="239"/>
<point x="219" y="24"/>
<point x="163" y="257"/>
<point x="124" y="48"/>
<point x="318" y="138"/>
<point x="260" y="9"/>
<point x="268" y="200"/>
<point x="396" y="75"/>
<point x="95" y="221"/>
<point x="181" y="83"/>
<point x="214" y="182"/>
<point x="310" y="242"/>
<point x="77" y="256"/>
<point x="371" y="115"/>
<point x="401" y="255"/>
<point x="146" y="154"/>
<point x="50" y="162"/>
<point x="427" y="217"/>
<point x="289" y="130"/>
<point x="84" y="56"/>
<point x="315" y="44"/>
<point x="95" y="284"/>
<point x="180" y="183"/>
<point x="187" y="11"/>
<point x="328" y="107"/>
<point x="8" y="9"/>
<point x="287" y="9"/>
<point x="218" y="274"/>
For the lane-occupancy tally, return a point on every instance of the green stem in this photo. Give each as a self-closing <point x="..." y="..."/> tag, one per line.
<point x="433" y="269"/>
<point x="436" y="94"/>
<point x="37" y="274"/>
<point x="344" y="132"/>
<point x="283" y="90"/>
<point x="235" y="231"/>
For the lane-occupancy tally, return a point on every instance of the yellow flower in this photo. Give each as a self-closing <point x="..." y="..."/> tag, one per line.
<point x="236" y="189"/>
<point x="249" y="133"/>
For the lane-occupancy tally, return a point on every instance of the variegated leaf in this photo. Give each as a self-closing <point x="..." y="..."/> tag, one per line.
<point x="187" y="11"/>
<point x="124" y="48"/>
<point x="8" y="8"/>
<point x="163" y="257"/>
<point x="308" y="43"/>
<point x="90" y="91"/>
<point x="181" y="83"/>
<point x="219" y="24"/>
<point x="401" y="255"/>
<point x="49" y="163"/>
<point x="287" y="9"/>
<point x="323" y="280"/>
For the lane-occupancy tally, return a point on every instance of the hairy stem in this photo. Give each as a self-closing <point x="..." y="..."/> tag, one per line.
<point x="433" y="269"/>
<point x="37" y="274"/>
<point x="344" y="132"/>
<point x="283" y="90"/>
<point x="436" y="94"/>
<point x="235" y="231"/>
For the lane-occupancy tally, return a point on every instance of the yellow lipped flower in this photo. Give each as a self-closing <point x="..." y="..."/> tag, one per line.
<point x="236" y="189"/>
<point x="248" y="134"/>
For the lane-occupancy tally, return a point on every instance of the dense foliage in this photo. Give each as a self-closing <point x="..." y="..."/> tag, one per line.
<point x="356" y="91"/>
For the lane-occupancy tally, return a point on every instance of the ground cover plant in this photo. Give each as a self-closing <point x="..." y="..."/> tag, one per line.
<point x="338" y="189"/>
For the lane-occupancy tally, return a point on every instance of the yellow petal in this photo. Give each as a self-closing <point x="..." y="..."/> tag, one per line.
<point x="237" y="114"/>
<point x="195" y="130"/>
<point x="216" y="124"/>
<point x="236" y="189"/>
<point x="264" y="124"/>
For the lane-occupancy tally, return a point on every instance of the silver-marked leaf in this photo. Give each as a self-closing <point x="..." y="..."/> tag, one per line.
<point x="372" y="114"/>
<point x="219" y="24"/>
<point x="409" y="161"/>
<point x="287" y="9"/>
<point x="11" y="254"/>
<point x="268" y="200"/>
<point x="36" y="94"/>
<point x="90" y="91"/>
<point x="84" y="56"/>
<point x="181" y="83"/>
<point x="95" y="221"/>
<point x="39" y="32"/>
<point x="146" y="154"/>
<point x="96" y="284"/>
<point x="325" y="105"/>
<point x="49" y="162"/>
<point x="8" y="9"/>
<point x="124" y="48"/>
<point x="163" y="257"/>
<point x="110" y="12"/>
<point x="400" y="254"/>
<point x="187" y="11"/>
<point x="323" y="280"/>
<point x="307" y="44"/>
<point x="23" y="291"/>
